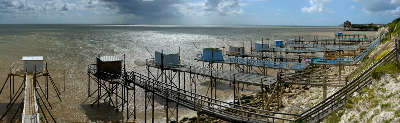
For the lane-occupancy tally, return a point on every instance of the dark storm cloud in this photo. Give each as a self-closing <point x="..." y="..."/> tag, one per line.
<point x="146" y="8"/>
<point x="173" y="8"/>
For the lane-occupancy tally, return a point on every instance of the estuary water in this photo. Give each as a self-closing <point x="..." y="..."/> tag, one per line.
<point x="68" y="49"/>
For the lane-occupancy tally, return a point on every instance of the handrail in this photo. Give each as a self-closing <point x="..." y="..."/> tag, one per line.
<point x="343" y="92"/>
<point x="191" y="93"/>
<point x="191" y="100"/>
<point x="200" y="98"/>
<point x="353" y="80"/>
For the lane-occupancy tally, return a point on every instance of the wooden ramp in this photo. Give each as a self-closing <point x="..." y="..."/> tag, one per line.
<point x="30" y="113"/>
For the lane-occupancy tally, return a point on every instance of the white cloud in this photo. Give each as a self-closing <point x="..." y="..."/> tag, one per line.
<point x="388" y="7"/>
<point x="315" y="6"/>
<point x="223" y="7"/>
<point x="395" y="12"/>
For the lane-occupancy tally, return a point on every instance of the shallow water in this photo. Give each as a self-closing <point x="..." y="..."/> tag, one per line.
<point x="68" y="49"/>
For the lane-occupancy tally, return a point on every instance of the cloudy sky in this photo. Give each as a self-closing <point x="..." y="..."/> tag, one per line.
<point x="230" y="12"/>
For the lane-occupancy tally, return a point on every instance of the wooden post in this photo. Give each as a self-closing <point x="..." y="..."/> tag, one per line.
<point x="340" y="72"/>
<point x="397" y="42"/>
<point x="325" y="89"/>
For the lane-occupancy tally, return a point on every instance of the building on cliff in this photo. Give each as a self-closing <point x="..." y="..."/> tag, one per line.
<point x="348" y="26"/>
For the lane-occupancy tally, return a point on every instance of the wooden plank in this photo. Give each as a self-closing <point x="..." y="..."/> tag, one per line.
<point x="30" y="114"/>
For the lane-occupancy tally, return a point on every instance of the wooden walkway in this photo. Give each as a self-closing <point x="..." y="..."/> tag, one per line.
<point x="242" y="77"/>
<point x="30" y="113"/>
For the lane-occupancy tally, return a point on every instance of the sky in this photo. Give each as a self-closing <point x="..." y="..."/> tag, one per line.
<point x="199" y="12"/>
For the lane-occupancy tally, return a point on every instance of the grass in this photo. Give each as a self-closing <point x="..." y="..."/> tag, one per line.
<point x="390" y="95"/>
<point x="366" y="61"/>
<point x="383" y="90"/>
<point x="387" y="68"/>
<point x="349" y="104"/>
<point x="394" y="28"/>
<point x="397" y="114"/>
<point x="371" y="94"/>
<point x="335" y="117"/>
<point x="376" y="112"/>
<point x="374" y="103"/>
<point x="370" y="118"/>
<point x="385" y="39"/>
<point x="383" y="53"/>
<point x="388" y="121"/>
<point x="385" y="106"/>
<point x="363" y="91"/>
<point x="362" y="114"/>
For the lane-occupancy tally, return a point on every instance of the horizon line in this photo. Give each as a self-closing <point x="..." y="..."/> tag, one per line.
<point x="170" y="24"/>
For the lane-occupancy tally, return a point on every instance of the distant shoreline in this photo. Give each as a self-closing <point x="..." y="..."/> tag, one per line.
<point x="177" y="26"/>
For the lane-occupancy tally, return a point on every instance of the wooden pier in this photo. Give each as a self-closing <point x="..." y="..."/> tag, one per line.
<point x="33" y="98"/>
<point x="30" y="113"/>
<point x="242" y="77"/>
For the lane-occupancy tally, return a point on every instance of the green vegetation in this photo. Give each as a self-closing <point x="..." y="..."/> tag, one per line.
<point x="385" y="106"/>
<point x="370" y="118"/>
<point x="387" y="68"/>
<point x="335" y="117"/>
<point x="388" y="121"/>
<point x="349" y="104"/>
<point x="370" y="95"/>
<point x="362" y="114"/>
<point x="397" y="114"/>
<point x="390" y="95"/>
<point x="374" y="103"/>
<point x="365" y="26"/>
<point x="363" y="91"/>
<point x="383" y="53"/>
<point x="394" y="26"/>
